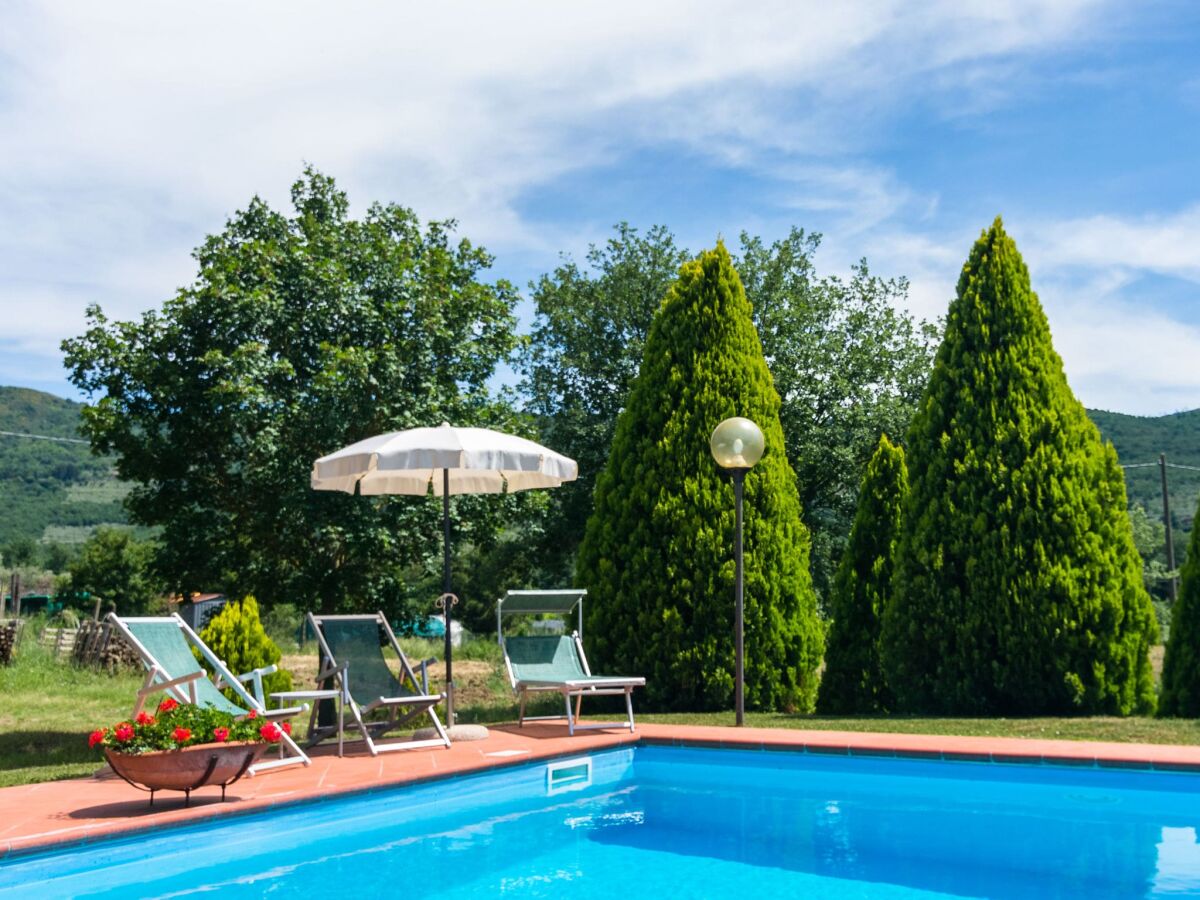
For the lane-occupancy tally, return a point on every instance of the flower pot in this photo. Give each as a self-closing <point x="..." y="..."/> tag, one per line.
<point x="188" y="768"/>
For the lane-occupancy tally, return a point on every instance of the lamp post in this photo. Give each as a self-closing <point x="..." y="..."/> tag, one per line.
<point x="737" y="444"/>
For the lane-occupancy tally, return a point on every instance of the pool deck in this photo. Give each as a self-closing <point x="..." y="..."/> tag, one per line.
<point x="43" y="816"/>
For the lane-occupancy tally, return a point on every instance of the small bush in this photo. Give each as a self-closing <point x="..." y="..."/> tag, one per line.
<point x="66" y="618"/>
<point x="236" y="635"/>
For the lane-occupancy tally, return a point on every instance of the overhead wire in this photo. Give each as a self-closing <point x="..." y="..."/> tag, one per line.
<point x="43" y="437"/>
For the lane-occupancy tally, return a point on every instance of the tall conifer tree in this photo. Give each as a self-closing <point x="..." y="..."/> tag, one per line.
<point x="853" y="681"/>
<point x="1181" y="664"/>
<point x="657" y="554"/>
<point x="1018" y="584"/>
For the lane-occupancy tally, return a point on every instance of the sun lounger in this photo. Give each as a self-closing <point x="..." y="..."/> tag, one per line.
<point x="557" y="663"/>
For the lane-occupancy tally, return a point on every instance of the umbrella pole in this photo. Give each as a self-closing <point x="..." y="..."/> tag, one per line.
<point x="447" y="596"/>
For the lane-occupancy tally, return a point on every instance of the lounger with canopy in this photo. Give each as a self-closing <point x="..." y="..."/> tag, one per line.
<point x="556" y="663"/>
<point x="353" y="660"/>
<point x="165" y="644"/>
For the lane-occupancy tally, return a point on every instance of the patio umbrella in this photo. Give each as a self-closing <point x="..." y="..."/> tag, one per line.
<point x="449" y="460"/>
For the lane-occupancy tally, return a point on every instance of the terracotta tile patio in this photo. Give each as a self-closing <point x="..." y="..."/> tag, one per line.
<point x="41" y="816"/>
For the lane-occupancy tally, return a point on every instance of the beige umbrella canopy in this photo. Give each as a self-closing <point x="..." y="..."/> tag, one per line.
<point x="449" y="460"/>
<point x="469" y="460"/>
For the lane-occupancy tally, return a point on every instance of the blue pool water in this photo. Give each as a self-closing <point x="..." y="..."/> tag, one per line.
<point x="673" y="822"/>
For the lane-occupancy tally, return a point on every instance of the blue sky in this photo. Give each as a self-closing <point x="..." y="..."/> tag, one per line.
<point x="898" y="130"/>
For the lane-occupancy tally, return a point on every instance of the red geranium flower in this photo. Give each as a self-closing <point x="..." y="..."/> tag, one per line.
<point x="181" y="734"/>
<point x="270" y="732"/>
<point x="144" y="718"/>
<point x="252" y="715"/>
<point x="286" y="726"/>
<point x="123" y="732"/>
<point x="96" y="737"/>
<point x="221" y="734"/>
<point x="167" y="705"/>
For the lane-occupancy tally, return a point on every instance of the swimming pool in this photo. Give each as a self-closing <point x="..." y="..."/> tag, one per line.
<point x="680" y="822"/>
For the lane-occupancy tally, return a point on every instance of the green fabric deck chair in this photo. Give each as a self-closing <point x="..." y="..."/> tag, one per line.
<point x="539" y="663"/>
<point x="165" y="647"/>
<point x="352" y="659"/>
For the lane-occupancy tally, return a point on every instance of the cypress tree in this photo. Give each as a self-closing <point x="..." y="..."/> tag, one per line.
<point x="657" y="554"/>
<point x="853" y="681"/>
<point x="1018" y="586"/>
<point x="1181" y="664"/>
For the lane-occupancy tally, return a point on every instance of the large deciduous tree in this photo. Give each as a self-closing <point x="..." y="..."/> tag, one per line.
<point x="581" y="360"/>
<point x="301" y="333"/>
<point x="657" y="553"/>
<point x="1181" y="663"/>
<point x="118" y="568"/>
<point x="1019" y="590"/>
<point x="848" y="362"/>
<point x="853" y="680"/>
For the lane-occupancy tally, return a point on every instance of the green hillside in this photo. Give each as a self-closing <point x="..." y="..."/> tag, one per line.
<point x="55" y="492"/>
<point x="1141" y="440"/>
<point x="50" y="491"/>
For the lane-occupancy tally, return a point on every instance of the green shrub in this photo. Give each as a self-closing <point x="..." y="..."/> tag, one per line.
<point x="657" y="554"/>
<point x="65" y="618"/>
<point x="236" y="636"/>
<point x="1181" y="663"/>
<point x="1018" y="586"/>
<point x="853" y="681"/>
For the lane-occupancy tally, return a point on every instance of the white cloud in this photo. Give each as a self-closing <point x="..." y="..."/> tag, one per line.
<point x="1163" y="244"/>
<point x="129" y="131"/>
<point x="1126" y="359"/>
<point x="459" y="107"/>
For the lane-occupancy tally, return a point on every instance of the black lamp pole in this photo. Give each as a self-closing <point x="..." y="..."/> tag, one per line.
<point x="447" y="597"/>
<point x="737" y="444"/>
<point x="739" y="476"/>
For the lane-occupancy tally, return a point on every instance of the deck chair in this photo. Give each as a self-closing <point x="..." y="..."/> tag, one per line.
<point x="165" y="647"/>
<point x="540" y="663"/>
<point x="352" y="659"/>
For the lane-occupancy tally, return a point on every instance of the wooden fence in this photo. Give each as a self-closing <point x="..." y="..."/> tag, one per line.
<point x="59" y="641"/>
<point x="96" y="644"/>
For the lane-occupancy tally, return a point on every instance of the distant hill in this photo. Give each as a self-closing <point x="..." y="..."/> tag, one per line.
<point x="50" y="490"/>
<point x="1140" y="440"/>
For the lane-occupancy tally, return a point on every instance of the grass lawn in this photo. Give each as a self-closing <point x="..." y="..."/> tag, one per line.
<point x="48" y="708"/>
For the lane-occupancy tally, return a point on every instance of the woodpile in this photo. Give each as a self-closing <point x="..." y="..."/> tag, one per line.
<point x="9" y="632"/>
<point x="101" y="645"/>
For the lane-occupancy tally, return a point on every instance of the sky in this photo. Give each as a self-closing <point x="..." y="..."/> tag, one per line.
<point x="898" y="130"/>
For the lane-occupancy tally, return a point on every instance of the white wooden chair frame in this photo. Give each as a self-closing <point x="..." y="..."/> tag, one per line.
<point x="183" y="689"/>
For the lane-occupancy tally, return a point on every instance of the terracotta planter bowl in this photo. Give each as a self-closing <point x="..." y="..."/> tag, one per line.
<point x="187" y="769"/>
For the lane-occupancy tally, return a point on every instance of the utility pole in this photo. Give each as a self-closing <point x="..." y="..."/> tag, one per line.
<point x="1162" y="465"/>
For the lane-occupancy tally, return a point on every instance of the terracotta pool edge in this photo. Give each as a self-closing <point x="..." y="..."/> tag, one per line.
<point x="17" y="848"/>
<point x="1140" y="757"/>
